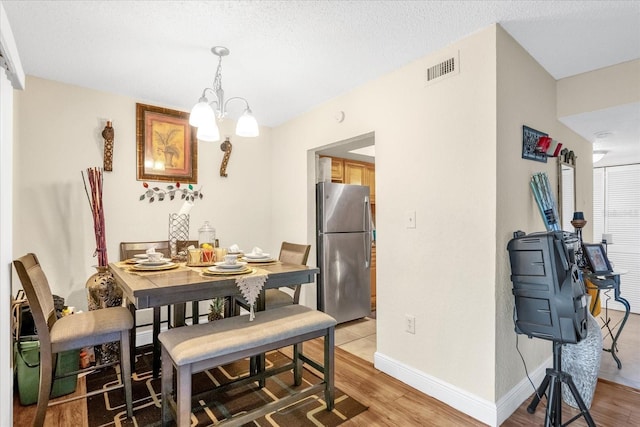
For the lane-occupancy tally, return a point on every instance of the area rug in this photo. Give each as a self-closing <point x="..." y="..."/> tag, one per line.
<point x="108" y="409"/>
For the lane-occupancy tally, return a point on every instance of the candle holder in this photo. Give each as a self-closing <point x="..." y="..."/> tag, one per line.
<point x="178" y="230"/>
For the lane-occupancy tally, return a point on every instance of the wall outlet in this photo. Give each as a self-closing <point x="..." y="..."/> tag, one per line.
<point x="410" y="324"/>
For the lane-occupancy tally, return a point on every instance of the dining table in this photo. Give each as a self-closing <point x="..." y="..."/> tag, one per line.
<point x="182" y="284"/>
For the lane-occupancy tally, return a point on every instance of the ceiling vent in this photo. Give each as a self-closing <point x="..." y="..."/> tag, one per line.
<point x="447" y="67"/>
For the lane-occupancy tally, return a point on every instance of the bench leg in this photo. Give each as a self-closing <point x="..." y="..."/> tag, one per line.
<point x="166" y="387"/>
<point x="329" y="391"/>
<point x="297" y="364"/>
<point x="183" y="398"/>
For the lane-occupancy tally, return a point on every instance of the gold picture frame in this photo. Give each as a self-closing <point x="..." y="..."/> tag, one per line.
<point x="167" y="148"/>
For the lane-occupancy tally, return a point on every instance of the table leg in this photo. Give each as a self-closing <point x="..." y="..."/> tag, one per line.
<point x="156" y="342"/>
<point x="614" y="342"/>
<point x="132" y="338"/>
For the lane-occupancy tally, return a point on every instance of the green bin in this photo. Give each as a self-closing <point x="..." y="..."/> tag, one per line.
<point x="27" y="360"/>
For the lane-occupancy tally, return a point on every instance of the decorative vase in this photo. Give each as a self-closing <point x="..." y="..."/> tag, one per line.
<point x="102" y="292"/>
<point x="582" y="362"/>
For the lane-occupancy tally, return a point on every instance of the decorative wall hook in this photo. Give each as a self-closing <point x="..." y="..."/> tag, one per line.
<point x="108" y="134"/>
<point x="226" y="147"/>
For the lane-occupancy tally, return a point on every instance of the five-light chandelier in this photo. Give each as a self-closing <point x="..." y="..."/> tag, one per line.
<point x="204" y="115"/>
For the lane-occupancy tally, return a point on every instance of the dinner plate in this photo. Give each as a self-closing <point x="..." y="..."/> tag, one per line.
<point x="225" y="266"/>
<point x="257" y="256"/>
<point x="258" y="260"/>
<point x="218" y="270"/>
<point x="165" y="266"/>
<point x="150" y="263"/>
<point x="141" y="256"/>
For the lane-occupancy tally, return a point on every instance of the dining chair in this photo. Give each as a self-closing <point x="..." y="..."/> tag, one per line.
<point x="127" y="251"/>
<point x="72" y="332"/>
<point x="290" y="253"/>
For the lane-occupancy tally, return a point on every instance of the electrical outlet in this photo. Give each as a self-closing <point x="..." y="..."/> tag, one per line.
<point x="410" y="325"/>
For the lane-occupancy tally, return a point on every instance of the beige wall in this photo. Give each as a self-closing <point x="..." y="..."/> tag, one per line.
<point x="435" y="154"/>
<point x="57" y="135"/>
<point x="526" y="96"/>
<point x="600" y="89"/>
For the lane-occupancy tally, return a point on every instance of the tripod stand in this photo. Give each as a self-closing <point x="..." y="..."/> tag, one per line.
<point x="554" y="379"/>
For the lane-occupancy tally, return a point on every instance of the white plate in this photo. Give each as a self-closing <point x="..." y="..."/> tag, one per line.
<point x="236" y="266"/>
<point x="163" y="266"/>
<point x="219" y="270"/>
<point x="145" y="256"/>
<point x="259" y="260"/>
<point x="150" y="263"/>
<point x="257" y="256"/>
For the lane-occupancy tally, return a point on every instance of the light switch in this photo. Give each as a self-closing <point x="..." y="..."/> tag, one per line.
<point x="410" y="219"/>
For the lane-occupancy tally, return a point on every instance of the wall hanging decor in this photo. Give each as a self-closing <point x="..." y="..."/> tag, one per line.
<point x="546" y="201"/>
<point x="108" y="134"/>
<point x="226" y="146"/>
<point x="530" y="138"/>
<point x="166" y="145"/>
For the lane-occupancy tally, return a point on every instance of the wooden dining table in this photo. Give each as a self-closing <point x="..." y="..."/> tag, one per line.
<point x="148" y="289"/>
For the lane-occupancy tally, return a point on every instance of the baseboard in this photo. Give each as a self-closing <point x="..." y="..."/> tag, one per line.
<point x="512" y="400"/>
<point x="490" y="413"/>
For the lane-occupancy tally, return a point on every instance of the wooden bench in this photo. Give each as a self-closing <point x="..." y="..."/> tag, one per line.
<point x="193" y="349"/>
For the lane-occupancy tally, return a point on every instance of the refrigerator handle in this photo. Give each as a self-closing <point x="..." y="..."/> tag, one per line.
<point x="368" y="240"/>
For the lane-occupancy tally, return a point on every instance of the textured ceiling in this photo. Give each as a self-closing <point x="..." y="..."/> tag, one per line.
<point x="289" y="56"/>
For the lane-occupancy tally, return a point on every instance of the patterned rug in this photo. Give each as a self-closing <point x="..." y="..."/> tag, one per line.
<point x="108" y="409"/>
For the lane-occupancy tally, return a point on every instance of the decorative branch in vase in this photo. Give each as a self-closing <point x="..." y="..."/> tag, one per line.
<point x="94" y="176"/>
<point x="102" y="291"/>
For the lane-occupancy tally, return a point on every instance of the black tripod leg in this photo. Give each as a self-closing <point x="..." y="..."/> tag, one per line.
<point x="579" y="401"/>
<point x="553" y="416"/>
<point x="536" y="399"/>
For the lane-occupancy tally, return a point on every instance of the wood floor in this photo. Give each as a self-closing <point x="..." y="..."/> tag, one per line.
<point x="392" y="403"/>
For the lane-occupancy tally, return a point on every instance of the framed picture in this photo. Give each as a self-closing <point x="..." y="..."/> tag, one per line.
<point x="597" y="258"/>
<point x="167" y="148"/>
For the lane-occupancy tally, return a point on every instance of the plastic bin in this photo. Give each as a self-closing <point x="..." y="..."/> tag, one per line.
<point x="27" y="360"/>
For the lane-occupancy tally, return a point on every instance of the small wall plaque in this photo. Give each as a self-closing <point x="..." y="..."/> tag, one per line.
<point x="530" y="139"/>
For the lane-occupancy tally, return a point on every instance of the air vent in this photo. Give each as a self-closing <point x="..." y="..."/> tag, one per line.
<point x="447" y="67"/>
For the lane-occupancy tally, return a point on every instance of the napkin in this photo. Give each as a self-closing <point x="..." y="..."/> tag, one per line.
<point x="256" y="251"/>
<point x="151" y="251"/>
<point x="234" y="249"/>
<point x="250" y="287"/>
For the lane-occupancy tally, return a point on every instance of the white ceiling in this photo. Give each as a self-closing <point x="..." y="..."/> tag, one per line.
<point x="289" y="56"/>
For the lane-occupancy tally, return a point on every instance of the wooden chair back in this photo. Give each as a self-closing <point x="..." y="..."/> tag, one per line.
<point x="294" y="253"/>
<point x="129" y="249"/>
<point x="36" y="286"/>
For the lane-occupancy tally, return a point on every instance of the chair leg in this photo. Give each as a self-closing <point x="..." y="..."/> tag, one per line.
<point x="46" y="374"/>
<point x="329" y="391"/>
<point x="125" y="369"/>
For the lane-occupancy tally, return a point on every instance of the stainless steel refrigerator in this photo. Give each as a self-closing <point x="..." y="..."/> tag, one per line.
<point x="344" y="227"/>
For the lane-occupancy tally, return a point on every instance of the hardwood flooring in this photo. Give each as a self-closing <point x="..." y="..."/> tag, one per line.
<point x="393" y="403"/>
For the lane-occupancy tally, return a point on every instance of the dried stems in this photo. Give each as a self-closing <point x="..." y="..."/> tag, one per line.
<point x="94" y="176"/>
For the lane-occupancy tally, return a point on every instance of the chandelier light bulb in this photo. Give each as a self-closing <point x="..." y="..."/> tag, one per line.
<point x="208" y="132"/>
<point x="247" y="125"/>
<point x="201" y="113"/>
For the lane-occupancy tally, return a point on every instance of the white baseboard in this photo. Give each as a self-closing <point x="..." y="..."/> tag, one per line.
<point x="490" y="413"/>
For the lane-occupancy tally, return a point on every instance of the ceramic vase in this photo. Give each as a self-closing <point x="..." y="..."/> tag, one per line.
<point x="102" y="292"/>
<point x="582" y="362"/>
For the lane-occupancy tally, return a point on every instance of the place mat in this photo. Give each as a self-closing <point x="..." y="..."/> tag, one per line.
<point x="246" y="270"/>
<point x="108" y="409"/>
<point x="145" y="269"/>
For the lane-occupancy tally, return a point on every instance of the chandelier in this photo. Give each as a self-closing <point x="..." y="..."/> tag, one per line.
<point x="204" y="114"/>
